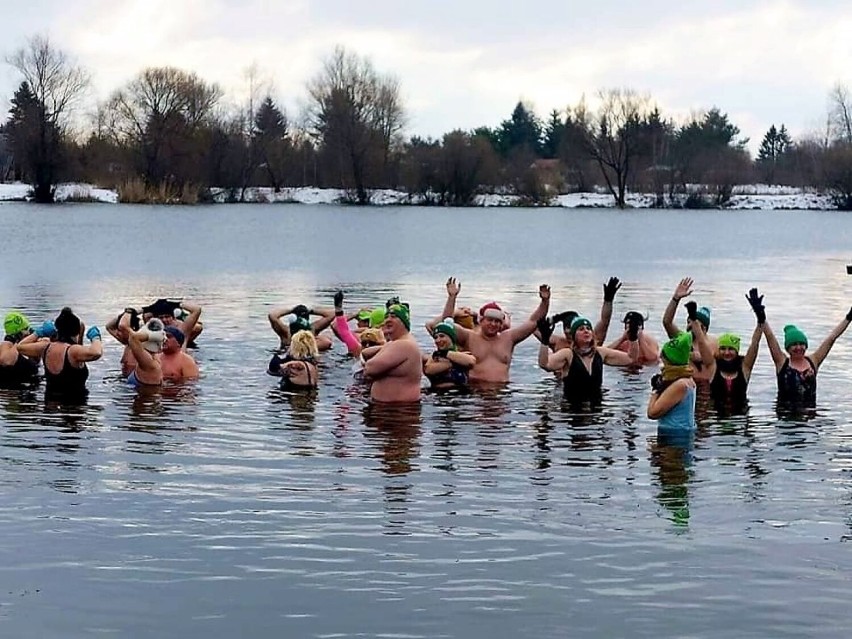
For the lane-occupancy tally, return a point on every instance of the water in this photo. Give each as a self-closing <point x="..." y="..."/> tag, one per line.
<point x="227" y="508"/>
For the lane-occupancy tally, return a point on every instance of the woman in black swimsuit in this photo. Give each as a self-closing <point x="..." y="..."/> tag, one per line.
<point x="299" y="368"/>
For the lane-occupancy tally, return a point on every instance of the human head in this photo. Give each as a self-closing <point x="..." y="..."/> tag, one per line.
<point x="371" y="337"/>
<point x="299" y="323"/>
<point x="465" y="317"/>
<point x="303" y="345"/>
<point x="678" y="350"/>
<point x="634" y="316"/>
<point x="69" y="328"/>
<point x="582" y="334"/>
<point x="391" y="301"/>
<point x="399" y="312"/>
<point x="491" y="318"/>
<point x="445" y="335"/>
<point x="794" y="336"/>
<point x="363" y="318"/>
<point x="703" y="316"/>
<point x="377" y="317"/>
<point x="16" y="325"/>
<point x="729" y="346"/>
<point x="174" y="339"/>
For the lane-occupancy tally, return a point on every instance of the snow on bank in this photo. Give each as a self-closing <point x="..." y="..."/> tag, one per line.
<point x="754" y="196"/>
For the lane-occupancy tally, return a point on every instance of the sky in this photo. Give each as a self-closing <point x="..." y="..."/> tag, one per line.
<point x="466" y="63"/>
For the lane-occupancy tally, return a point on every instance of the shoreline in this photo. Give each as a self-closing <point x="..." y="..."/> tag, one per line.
<point x="747" y="197"/>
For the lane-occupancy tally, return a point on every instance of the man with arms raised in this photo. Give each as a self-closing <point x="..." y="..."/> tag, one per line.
<point x="396" y="368"/>
<point x="489" y="342"/>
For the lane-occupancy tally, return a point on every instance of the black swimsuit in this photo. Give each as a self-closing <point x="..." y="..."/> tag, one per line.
<point x="579" y="385"/>
<point x="69" y="383"/>
<point x="23" y="371"/>
<point x="795" y="386"/>
<point x="729" y="393"/>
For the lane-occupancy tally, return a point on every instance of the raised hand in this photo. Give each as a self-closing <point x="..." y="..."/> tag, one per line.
<point x="338" y="299"/>
<point x="545" y="329"/>
<point x="611" y="288"/>
<point x="453" y="287"/>
<point x="301" y="311"/>
<point x="544" y="291"/>
<point x="691" y="310"/>
<point x="684" y="289"/>
<point x="93" y="333"/>
<point x="756" y="303"/>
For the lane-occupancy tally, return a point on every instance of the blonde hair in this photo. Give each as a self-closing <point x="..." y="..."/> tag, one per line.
<point x="303" y="345"/>
<point x="371" y="334"/>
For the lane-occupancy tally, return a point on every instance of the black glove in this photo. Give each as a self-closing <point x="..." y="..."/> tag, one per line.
<point x="756" y="303"/>
<point x="302" y="311"/>
<point x="545" y="329"/>
<point x="691" y="310"/>
<point x="611" y="288"/>
<point x="848" y="316"/>
<point x="633" y="329"/>
<point x="566" y="317"/>
<point x="440" y="354"/>
<point x="657" y="383"/>
<point x="134" y="318"/>
<point x="391" y="301"/>
<point x="338" y="299"/>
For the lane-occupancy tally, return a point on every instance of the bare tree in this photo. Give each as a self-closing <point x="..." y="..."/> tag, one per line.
<point x="840" y="113"/>
<point x="356" y="115"/>
<point x="57" y="83"/>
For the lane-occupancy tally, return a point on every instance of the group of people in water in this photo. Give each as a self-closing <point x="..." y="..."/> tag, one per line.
<point x="470" y="348"/>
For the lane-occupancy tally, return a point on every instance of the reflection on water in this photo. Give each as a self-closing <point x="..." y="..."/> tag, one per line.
<point x="233" y="508"/>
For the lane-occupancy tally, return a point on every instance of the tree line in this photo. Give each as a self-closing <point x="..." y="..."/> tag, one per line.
<point x="167" y="136"/>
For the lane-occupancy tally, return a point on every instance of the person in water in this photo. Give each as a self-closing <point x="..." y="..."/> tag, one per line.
<point x="181" y="313"/>
<point x="65" y="359"/>
<point x="490" y="343"/>
<point x="649" y="349"/>
<point x="177" y="364"/>
<point x="684" y="289"/>
<point x="672" y="401"/>
<point x="796" y="371"/>
<point x="729" y="371"/>
<point x="447" y="367"/>
<point x="286" y="322"/>
<point x="120" y="329"/>
<point x="299" y="368"/>
<point x="582" y="364"/>
<point x="16" y="369"/>
<point x="145" y="345"/>
<point x="395" y="370"/>
<point x="558" y="342"/>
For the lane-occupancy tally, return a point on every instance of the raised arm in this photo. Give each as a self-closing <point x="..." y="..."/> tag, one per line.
<point x="326" y="317"/>
<point x="778" y="356"/>
<point x="684" y="289"/>
<point x="612" y="357"/>
<point x="521" y="332"/>
<point x="822" y="351"/>
<point x="91" y="351"/>
<point x="602" y="326"/>
<point x="705" y="349"/>
<point x="191" y="320"/>
<point x="751" y="354"/>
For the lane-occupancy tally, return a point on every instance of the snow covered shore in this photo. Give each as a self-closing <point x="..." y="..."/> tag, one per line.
<point x="758" y="196"/>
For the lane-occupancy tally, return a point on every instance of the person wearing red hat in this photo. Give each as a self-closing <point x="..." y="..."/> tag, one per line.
<point x="491" y="343"/>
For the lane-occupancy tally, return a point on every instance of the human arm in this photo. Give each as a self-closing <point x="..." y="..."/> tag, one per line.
<point x="144" y="360"/>
<point x="554" y="361"/>
<point x="90" y="352"/>
<point x="751" y="354"/>
<point x="613" y="357"/>
<point x="661" y="403"/>
<point x="705" y="348"/>
<point x="823" y="349"/>
<point x="32" y="346"/>
<point x="778" y="356"/>
<point x="683" y="289"/>
<point x="524" y="330"/>
<point x="326" y="317"/>
<point x="388" y="358"/>
<point x="281" y="329"/>
<point x="190" y="322"/>
<point x="602" y="325"/>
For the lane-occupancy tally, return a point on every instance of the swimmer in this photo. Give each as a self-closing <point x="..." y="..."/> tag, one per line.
<point x="177" y="364"/>
<point x="684" y="289"/>
<point x="447" y="367"/>
<point x="299" y="369"/>
<point x="557" y="342"/>
<point x="15" y="368"/>
<point x="649" y="349"/>
<point x="300" y="320"/>
<point x="396" y="368"/>
<point x="672" y="401"/>
<point x="145" y="344"/>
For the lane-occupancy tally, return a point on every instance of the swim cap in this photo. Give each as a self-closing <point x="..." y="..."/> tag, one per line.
<point x="577" y="323"/>
<point x="363" y="315"/>
<point x="299" y="324"/>
<point x="446" y="327"/>
<point x="377" y="317"/>
<point x="15" y="323"/>
<point x="635" y="316"/>
<point x="401" y="313"/>
<point x="729" y="340"/>
<point x="678" y="349"/>
<point x="792" y="335"/>
<point x="371" y="337"/>
<point x="175" y="332"/>
<point x="703" y="316"/>
<point x="492" y="310"/>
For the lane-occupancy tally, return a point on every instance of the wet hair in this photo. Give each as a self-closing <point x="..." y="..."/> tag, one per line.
<point x="68" y="326"/>
<point x="303" y="345"/>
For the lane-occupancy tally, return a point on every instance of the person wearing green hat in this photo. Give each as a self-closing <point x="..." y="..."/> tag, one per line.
<point x="702" y="314"/>
<point x="672" y="401"/>
<point x="288" y="321"/>
<point x="448" y="367"/>
<point x="582" y="364"/>
<point x="796" y="372"/>
<point x="493" y="342"/>
<point x="396" y="368"/>
<point x="729" y="371"/>
<point x="15" y="368"/>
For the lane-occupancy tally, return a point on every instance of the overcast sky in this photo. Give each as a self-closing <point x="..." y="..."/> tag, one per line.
<point x="466" y="63"/>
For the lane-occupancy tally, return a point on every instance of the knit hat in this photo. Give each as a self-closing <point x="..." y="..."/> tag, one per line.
<point x="729" y="340"/>
<point x="15" y="323"/>
<point x="446" y="327"/>
<point x="300" y="324"/>
<point x="363" y="316"/>
<point x="792" y="335"/>
<point x="577" y="323"/>
<point x="678" y="349"/>
<point x="377" y="317"/>
<point x="402" y="314"/>
<point x="703" y="316"/>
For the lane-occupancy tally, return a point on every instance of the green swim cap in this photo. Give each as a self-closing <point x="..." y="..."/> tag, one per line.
<point x="402" y="314"/>
<point x="703" y="316"/>
<point x="299" y="324"/>
<point x="678" y="349"/>
<point x="363" y="315"/>
<point x="729" y="340"/>
<point x="577" y="323"/>
<point x="15" y="323"/>
<point x="377" y="316"/>
<point x="792" y="335"/>
<point x="447" y="328"/>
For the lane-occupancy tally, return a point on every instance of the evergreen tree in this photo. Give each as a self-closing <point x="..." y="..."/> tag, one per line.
<point x="772" y="149"/>
<point x="554" y="133"/>
<point x="271" y="141"/>
<point x="522" y="130"/>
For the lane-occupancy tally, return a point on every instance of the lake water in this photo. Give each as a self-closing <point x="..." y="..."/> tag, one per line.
<point x="226" y="508"/>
